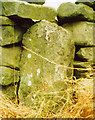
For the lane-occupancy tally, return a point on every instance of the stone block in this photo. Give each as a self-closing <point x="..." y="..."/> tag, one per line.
<point x="5" y="21"/>
<point x="69" y="12"/>
<point x="47" y="49"/>
<point x="8" y="75"/>
<point x="40" y="2"/>
<point x="87" y="54"/>
<point x="10" y="56"/>
<point x="90" y="3"/>
<point x="1" y="9"/>
<point x="30" y="11"/>
<point x="82" y="32"/>
<point x="10" y="35"/>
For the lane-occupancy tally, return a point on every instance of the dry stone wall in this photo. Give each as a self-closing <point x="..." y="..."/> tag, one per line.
<point x="81" y="24"/>
<point x="39" y="52"/>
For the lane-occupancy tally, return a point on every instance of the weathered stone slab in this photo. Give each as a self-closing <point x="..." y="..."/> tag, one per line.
<point x="10" y="35"/>
<point x="85" y="69"/>
<point x="49" y="39"/>
<point x="31" y="11"/>
<point x="5" y="21"/>
<point x="48" y="48"/>
<point x="68" y="12"/>
<point x="10" y="56"/>
<point x="82" y="32"/>
<point x="87" y="54"/>
<point x="90" y="3"/>
<point x="40" y="2"/>
<point x="8" y="75"/>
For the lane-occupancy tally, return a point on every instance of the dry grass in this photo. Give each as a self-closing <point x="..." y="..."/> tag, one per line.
<point x="80" y="107"/>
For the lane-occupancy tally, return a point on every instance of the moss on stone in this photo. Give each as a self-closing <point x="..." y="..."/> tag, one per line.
<point x="82" y="32"/>
<point x="87" y="53"/>
<point x="69" y="12"/>
<point x="5" y="21"/>
<point x="10" y="56"/>
<point x="90" y="3"/>
<point x="41" y="69"/>
<point x="31" y="11"/>
<point x="8" y="75"/>
<point x="10" y="35"/>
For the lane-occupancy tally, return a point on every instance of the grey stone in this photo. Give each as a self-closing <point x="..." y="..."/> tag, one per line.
<point x="90" y="3"/>
<point x="85" y="69"/>
<point x="31" y="11"/>
<point x="40" y="2"/>
<point x="48" y="48"/>
<point x="10" y="56"/>
<point x="8" y="75"/>
<point x="10" y="35"/>
<point x="5" y="21"/>
<point x="82" y="32"/>
<point x="68" y="12"/>
<point x="87" y="54"/>
<point x="1" y="9"/>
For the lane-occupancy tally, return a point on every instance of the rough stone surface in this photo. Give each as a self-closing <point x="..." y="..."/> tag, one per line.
<point x="8" y="75"/>
<point x="40" y="2"/>
<point x="1" y="9"/>
<point x="87" y="54"/>
<point x="90" y="3"/>
<point x="68" y="12"/>
<point x="40" y="69"/>
<point x="82" y="32"/>
<point x="10" y="35"/>
<point x="31" y="11"/>
<point x="83" y="65"/>
<point x="10" y="56"/>
<point x="5" y="21"/>
<point x="9" y="91"/>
